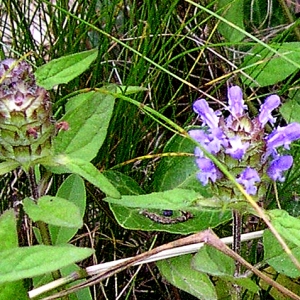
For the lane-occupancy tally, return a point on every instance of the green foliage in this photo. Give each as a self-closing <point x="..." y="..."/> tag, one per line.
<point x="73" y="190"/>
<point x="88" y="117"/>
<point x="180" y="273"/>
<point x="233" y="12"/>
<point x="85" y="169"/>
<point x="286" y="225"/>
<point x="290" y="109"/>
<point x="215" y="263"/>
<point x="64" y="69"/>
<point x="53" y="210"/>
<point x="268" y="68"/>
<point x="278" y="259"/>
<point x="16" y="263"/>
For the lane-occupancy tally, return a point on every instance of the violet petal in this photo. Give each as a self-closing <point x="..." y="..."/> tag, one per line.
<point x="278" y="166"/>
<point x="270" y="104"/>
<point x="248" y="178"/>
<point x="237" y="149"/>
<point x="207" y="114"/>
<point x="235" y="101"/>
<point x="207" y="170"/>
<point x="283" y="136"/>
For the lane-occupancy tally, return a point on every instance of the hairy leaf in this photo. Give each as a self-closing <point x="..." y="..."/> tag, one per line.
<point x="178" y="271"/>
<point x="64" y="69"/>
<point x="54" y="210"/>
<point x="25" y="262"/>
<point x="88" y="117"/>
<point x="73" y="190"/>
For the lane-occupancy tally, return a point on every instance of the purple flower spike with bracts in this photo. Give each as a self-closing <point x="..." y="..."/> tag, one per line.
<point x="238" y="142"/>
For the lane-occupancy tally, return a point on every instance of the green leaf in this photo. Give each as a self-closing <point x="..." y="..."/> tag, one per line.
<point x="64" y="69"/>
<point x="290" y="110"/>
<point x="131" y="218"/>
<point x="84" y="169"/>
<point x="286" y="225"/>
<point x="125" y="184"/>
<point x="178" y="171"/>
<point x="212" y="261"/>
<point x="175" y="199"/>
<point x="53" y="210"/>
<point x="9" y="240"/>
<point x="88" y="116"/>
<point x="26" y="262"/>
<point x="8" y="166"/>
<point x="215" y="263"/>
<point x="287" y="282"/>
<point x="267" y="68"/>
<point x="178" y="271"/>
<point x="73" y="190"/>
<point x="13" y="290"/>
<point x="277" y="258"/>
<point x="232" y="11"/>
<point x="8" y="230"/>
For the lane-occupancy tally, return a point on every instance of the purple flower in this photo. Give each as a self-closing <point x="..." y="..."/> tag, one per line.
<point x="238" y="141"/>
<point x="283" y="136"/>
<point x="270" y="104"/>
<point x="248" y="178"/>
<point x="235" y="101"/>
<point x="237" y="149"/>
<point x="206" y="113"/>
<point x="207" y="170"/>
<point x="212" y="142"/>
<point x="278" y="166"/>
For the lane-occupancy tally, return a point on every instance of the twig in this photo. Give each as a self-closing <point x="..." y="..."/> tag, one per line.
<point x="184" y="246"/>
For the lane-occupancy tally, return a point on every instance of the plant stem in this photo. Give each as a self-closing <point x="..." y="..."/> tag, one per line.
<point x="236" y="247"/>
<point x="42" y="226"/>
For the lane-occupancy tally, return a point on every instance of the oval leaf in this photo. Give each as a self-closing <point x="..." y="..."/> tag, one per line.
<point x="286" y="225"/>
<point x="212" y="261"/>
<point x="54" y="210"/>
<point x="131" y="218"/>
<point x="173" y="199"/>
<point x="267" y="68"/>
<point x="8" y="230"/>
<point x="84" y="169"/>
<point x="178" y="271"/>
<point x="8" y="166"/>
<point x="25" y="262"/>
<point x="64" y="69"/>
<point x="88" y="120"/>
<point x="233" y="12"/>
<point x="73" y="190"/>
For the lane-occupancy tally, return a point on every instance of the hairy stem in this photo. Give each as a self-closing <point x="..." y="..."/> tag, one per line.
<point x="236" y="247"/>
<point x="42" y="226"/>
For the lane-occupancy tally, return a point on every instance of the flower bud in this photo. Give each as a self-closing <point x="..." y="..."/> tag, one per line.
<point x="26" y="128"/>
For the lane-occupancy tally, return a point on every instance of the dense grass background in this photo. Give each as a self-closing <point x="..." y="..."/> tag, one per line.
<point x="172" y="48"/>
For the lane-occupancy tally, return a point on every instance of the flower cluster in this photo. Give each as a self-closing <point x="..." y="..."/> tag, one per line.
<point x="242" y="145"/>
<point x="26" y="127"/>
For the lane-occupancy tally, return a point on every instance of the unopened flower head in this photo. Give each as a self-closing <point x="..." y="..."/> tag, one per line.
<point x="242" y="145"/>
<point x="26" y="128"/>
